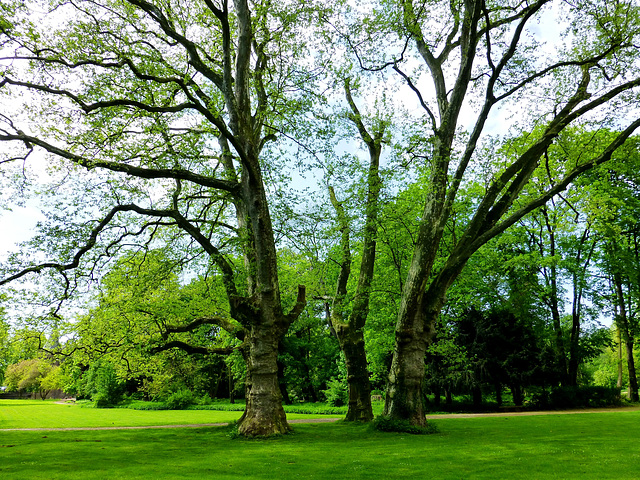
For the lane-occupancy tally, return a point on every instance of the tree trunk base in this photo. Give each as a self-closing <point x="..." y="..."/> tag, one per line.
<point x="259" y="424"/>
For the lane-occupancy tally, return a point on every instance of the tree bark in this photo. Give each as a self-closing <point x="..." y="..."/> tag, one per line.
<point x="553" y="303"/>
<point x="579" y="275"/>
<point x="350" y="330"/>
<point x="264" y="414"/>
<point x="627" y="336"/>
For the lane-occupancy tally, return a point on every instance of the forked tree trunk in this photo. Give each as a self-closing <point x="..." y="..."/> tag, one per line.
<point x="414" y="330"/>
<point x="350" y="329"/>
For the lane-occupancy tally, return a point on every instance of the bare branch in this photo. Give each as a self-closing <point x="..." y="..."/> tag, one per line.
<point x="176" y="173"/>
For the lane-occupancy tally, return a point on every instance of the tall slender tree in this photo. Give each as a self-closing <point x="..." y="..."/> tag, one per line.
<point x="349" y="324"/>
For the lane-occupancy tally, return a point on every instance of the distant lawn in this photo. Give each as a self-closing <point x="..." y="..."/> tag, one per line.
<point x="584" y="446"/>
<point x="39" y="414"/>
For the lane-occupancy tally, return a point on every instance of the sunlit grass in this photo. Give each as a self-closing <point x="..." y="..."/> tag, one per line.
<point x="38" y="414"/>
<point x="584" y="446"/>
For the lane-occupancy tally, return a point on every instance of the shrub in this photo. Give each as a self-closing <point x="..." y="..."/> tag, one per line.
<point x="180" y="400"/>
<point x="594" y="396"/>
<point x="386" y="424"/>
<point x="204" y="400"/>
<point x="102" y="385"/>
<point x="336" y="394"/>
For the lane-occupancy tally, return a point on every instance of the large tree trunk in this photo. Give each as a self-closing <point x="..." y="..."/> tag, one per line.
<point x="261" y="311"/>
<point x="264" y="414"/>
<point x="419" y="311"/>
<point x="352" y="345"/>
<point x="404" y="397"/>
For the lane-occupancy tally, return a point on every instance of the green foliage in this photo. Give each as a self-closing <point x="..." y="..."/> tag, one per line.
<point x="102" y="385"/>
<point x="591" y="396"/>
<point x="35" y="375"/>
<point x="180" y="400"/>
<point x="336" y="392"/>
<point x="386" y="424"/>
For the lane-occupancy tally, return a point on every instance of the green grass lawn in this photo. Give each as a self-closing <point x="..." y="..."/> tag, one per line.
<point x="586" y="446"/>
<point x="39" y="414"/>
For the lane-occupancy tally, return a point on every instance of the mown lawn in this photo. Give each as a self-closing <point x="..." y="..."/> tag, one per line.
<point x="39" y="414"/>
<point x="585" y="446"/>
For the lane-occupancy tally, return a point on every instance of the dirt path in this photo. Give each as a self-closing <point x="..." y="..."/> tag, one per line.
<point x="335" y="419"/>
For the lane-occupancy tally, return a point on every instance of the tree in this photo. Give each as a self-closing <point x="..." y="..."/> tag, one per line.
<point x="4" y="347"/>
<point x="503" y="350"/>
<point x="614" y="212"/>
<point x="483" y="52"/>
<point x="163" y="116"/>
<point x="349" y="325"/>
<point x="34" y="375"/>
<point x="140" y="299"/>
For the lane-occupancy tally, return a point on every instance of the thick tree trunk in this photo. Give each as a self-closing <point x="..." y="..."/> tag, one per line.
<point x="261" y="311"/>
<point x="414" y="328"/>
<point x="264" y="414"/>
<point x="352" y="345"/>
<point x="419" y="311"/>
<point x="404" y="396"/>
